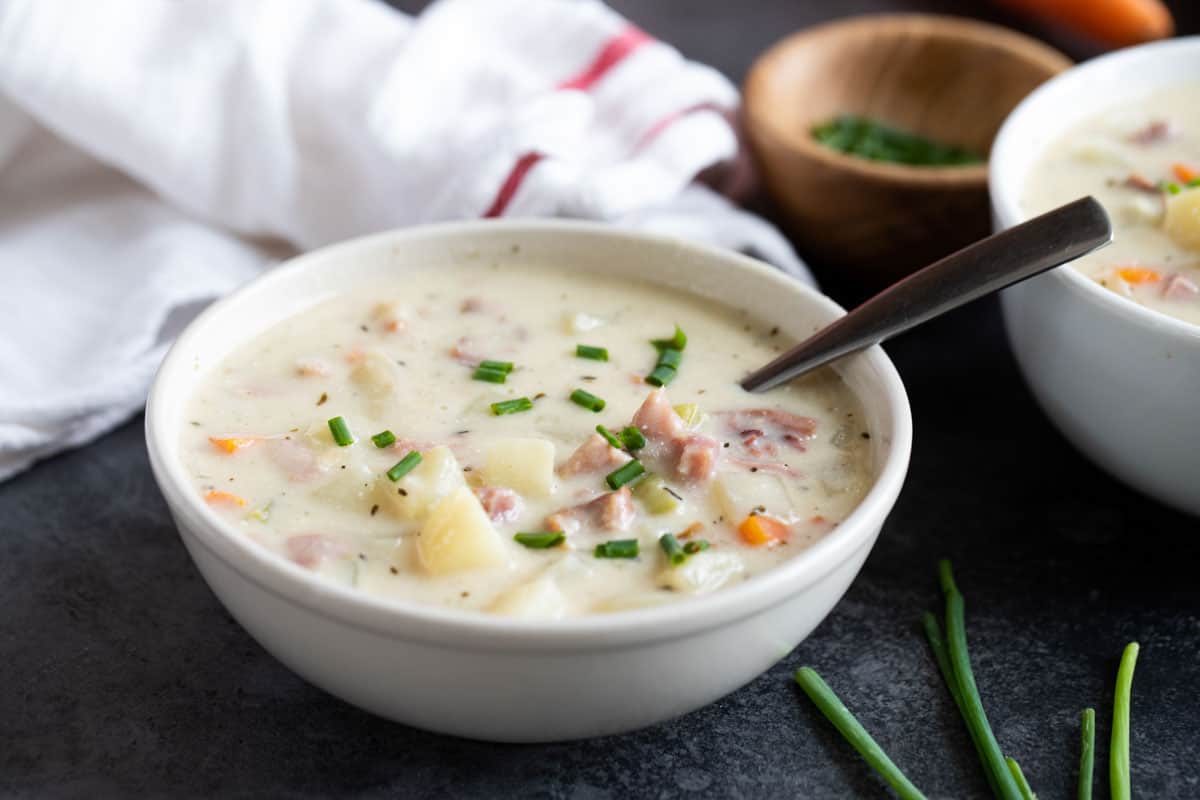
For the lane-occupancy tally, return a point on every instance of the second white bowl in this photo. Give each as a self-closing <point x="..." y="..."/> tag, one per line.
<point x="1121" y="381"/>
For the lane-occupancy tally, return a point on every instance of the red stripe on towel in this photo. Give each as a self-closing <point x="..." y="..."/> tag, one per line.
<point x="512" y="183"/>
<point x="614" y="52"/>
<point x="655" y="130"/>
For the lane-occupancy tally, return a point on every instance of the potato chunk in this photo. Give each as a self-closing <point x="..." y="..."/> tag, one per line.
<point x="1182" y="222"/>
<point x="539" y="598"/>
<point x="524" y="465"/>
<point x="416" y="494"/>
<point x="458" y="536"/>
<point x="703" y="572"/>
<point x="739" y="493"/>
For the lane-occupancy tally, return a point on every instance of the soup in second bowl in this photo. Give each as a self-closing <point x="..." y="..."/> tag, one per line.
<point x="1142" y="162"/>
<point x="523" y="441"/>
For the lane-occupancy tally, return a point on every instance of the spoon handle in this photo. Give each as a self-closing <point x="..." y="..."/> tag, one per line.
<point x="986" y="266"/>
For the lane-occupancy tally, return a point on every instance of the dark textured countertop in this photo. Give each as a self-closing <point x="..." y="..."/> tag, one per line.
<point x="121" y="674"/>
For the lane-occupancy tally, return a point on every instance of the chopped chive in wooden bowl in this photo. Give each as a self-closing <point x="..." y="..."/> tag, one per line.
<point x="867" y="138"/>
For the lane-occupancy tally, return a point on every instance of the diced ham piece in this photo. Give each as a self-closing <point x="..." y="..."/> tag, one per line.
<point x="1142" y="184"/>
<point x="1155" y="132"/>
<point x="612" y="511"/>
<point x="462" y="353"/>
<point x="691" y="456"/>
<point x="656" y="419"/>
<point x="296" y="459"/>
<point x="697" y="457"/>
<point x="499" y="503"/>
<point x="593" y="455"/>
<point x="1177" y="287"/>
<point x="310" y="549"/>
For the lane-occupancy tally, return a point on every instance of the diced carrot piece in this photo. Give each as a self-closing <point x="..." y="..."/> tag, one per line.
<point x="1138" y="275"/>
<point x="759" y="529"/>
<point x="232" y="444"/>
<point x="1184" y="173"/>
<point x="394" y="325"/>
<point x="219" y="498"/>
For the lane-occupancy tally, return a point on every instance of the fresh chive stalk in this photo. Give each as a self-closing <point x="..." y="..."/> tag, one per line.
<point x="617" y="548"/>
<point x="971" y="705"/>
<point x="609" y="437"/>
<point x="588" y="400"/>
<point x="836" y="712"/>
<point x="674" y="550"/>
<point x="513" y="406"/>
<point x="1022" y="785"/>
<point x="626" y="473"/>
<point x="1087" y="752"/>
<point x="404" y="466"/>
<point x="1118" y="751"/>
<point x="632" y="438"/>
<point x="540" y="540"/>
<point x="341" y="432"/>
<point x="384" y="439"/>
<point x="594" y="353"/>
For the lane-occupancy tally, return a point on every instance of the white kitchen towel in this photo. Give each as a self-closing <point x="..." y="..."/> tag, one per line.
<point x="156" y="153"/>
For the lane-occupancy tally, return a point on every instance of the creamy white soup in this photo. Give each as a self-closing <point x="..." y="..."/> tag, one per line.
<point x="524" y="442"/>
<point x="1141" y="160"/>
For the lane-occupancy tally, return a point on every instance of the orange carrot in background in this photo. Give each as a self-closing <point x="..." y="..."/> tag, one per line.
<point x="1138" y="275"/>
<point x="1184" y="173"/>
<point x="1116" y="23"/>
<point x="218" y="498"/>
<point x="232" y="444"/>
<point x="759" y="529"/>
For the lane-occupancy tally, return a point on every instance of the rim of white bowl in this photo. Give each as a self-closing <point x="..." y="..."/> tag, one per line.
<point x="1005" y="185"/>
<point x="478" y="630"/>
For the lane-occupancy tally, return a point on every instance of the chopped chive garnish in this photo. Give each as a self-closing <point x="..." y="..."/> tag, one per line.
<point x="341" y="432"/>
<point x="512" y="406"/>
<point x="483" y="373"/>
<point x="1118" y="751"/>
<point x="627" y="472"/>
<point x="1087" y="753"/>
<point x="970" y="704"/>
<point x="499" y="366"/>
<point x="670" y="357"/>
<point x="384" y="439"/>
<point x="677" y="342"/>
<point x="588" y="400"/>
<point x="695" y="546"/>
<point x="1019" y="776"/>
<point x="632" y="438"/>
<point x="404" y="466"/>
<point x="1170" y="187"/>
<point x="594" y="353"/>
<point x="836" y="712"/>
<point x="661" y="376"/>
<point x="1193" y="183"/>
<point x="617" y="548"/>
<point x="674" y="550"/>
<point x="540" y="540"/>
<point x="609" y="437"/>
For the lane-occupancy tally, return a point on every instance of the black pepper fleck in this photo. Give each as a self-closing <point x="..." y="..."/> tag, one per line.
<point x="323" y="398"/>
<point x="374" y="509"/>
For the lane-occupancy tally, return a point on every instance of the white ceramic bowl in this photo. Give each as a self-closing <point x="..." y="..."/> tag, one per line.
<point x="496" y="678"/>
<point x="1121" y="381"/>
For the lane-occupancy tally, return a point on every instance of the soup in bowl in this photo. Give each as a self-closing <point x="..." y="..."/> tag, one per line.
<point x="1110" y="345"/>
<point x="498" y="480"/>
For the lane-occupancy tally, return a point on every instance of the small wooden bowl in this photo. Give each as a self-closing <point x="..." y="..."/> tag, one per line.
<point x="949" y="79"/>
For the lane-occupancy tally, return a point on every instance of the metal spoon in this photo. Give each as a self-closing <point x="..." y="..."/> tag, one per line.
<point x="989" y="265"/>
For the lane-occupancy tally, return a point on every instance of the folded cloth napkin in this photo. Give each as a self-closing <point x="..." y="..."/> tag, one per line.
<point x="156" y="153"/>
